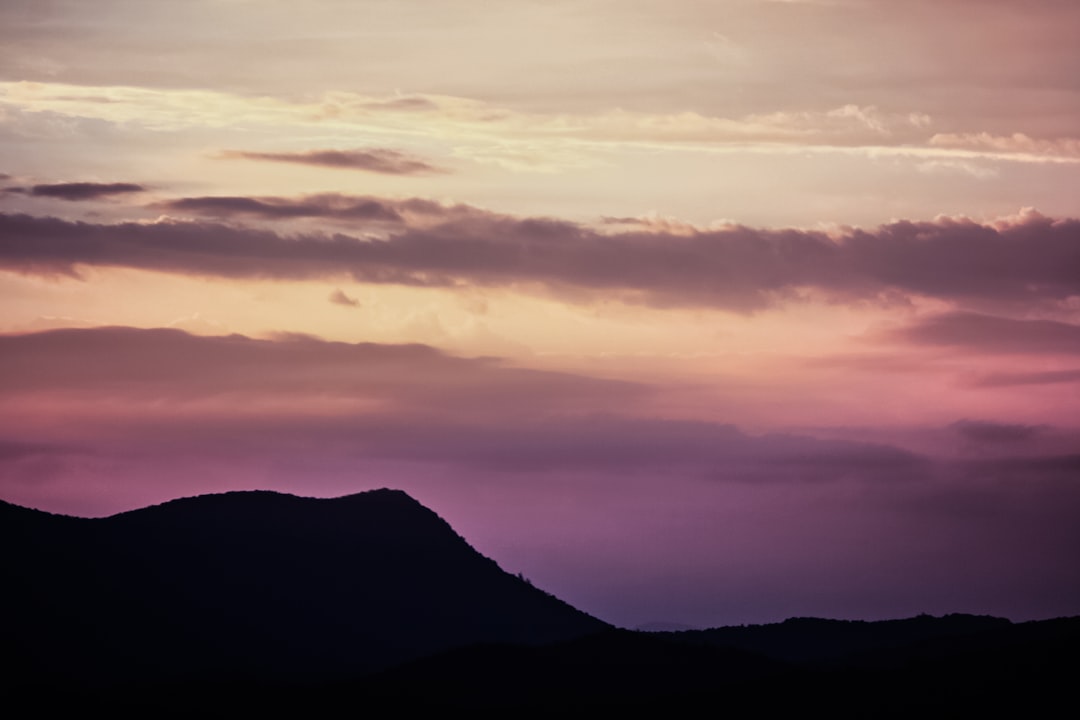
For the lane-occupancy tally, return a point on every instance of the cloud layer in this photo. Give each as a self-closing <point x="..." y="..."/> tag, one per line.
<point x="407" y="403"/>
<point x="416" y="242"/>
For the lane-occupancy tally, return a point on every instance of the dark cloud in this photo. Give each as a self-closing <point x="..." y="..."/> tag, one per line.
<point x="359" y="211"/>
<point x="1046" y="377"/>
<point x="316" y="206"/>
<point x="1029" y="258"/>
<point x="378" y="160"/>
<point x="988" y="333"/>
<point x="739" y="268"/>
<point x="982" y="432"/>
<point x="79" y="190"/>
<point x="338" y="297"/>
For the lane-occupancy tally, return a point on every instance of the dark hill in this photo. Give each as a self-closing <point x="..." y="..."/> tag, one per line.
<point x="831" y="641"/>
<point x="254" y="585"/>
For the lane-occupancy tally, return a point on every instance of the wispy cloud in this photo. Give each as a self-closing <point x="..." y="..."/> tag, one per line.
<point x="338" y="297"/>
<point x="1044" y="377"/>
<point x="1017" y="143"/>
<point x="377" y="160"/>
<point x="77" y="191"/>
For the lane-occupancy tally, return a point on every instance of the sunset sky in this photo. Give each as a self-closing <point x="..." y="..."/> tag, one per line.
<point x="696" y="311"/>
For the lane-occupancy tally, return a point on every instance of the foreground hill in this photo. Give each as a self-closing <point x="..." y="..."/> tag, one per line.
<point x="254" y="585"/>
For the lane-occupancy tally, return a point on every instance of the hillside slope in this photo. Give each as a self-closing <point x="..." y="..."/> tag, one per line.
<point x="254" y="584"/>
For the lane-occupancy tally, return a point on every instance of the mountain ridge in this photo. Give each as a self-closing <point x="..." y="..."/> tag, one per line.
<point x="259" y="583"/>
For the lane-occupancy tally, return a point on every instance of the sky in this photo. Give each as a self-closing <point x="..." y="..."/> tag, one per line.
<point x="694" y="312"/>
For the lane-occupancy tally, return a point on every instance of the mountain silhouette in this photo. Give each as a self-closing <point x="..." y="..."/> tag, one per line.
<point x="256" y="585"/>
<point x="249" y="602"/>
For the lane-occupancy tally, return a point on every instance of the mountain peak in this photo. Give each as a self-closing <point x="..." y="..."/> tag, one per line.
<point x="261" y="582"/>
<point x="253" y="498"/>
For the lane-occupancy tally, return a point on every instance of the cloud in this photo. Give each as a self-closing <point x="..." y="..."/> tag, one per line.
<point x="465" y="119"/>
<point x="992" y="334"/>
<point x="378" y="160"/>
<point x="1025" y="469"/>
<point x="128" y="364"/>
<point x="165" y="387"/>
<point x="981" y="432"/>
<point x="940" y="166"/>
<point x="607" y="443"/>
<point x="340" y="298"/>
<point x="1017" y="143"/>
<point x="78" y="191"/>
<point x="354" y="209"/>
<point x="1027" y="259"/>
<point x="320" y="206"/>
<point x="412" y="103"/>
<point x="15" y="450"/>
<point x="1010" y="379"/>
<point x="165" y="392"/>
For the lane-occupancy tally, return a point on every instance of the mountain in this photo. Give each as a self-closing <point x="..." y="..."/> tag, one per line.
<point x="258" y="602"/>
<point x="253" y="585"/>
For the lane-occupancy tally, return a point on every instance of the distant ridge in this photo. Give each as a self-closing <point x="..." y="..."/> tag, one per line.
<point x="255" y="584"/>
<point x="806" y="639"/>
